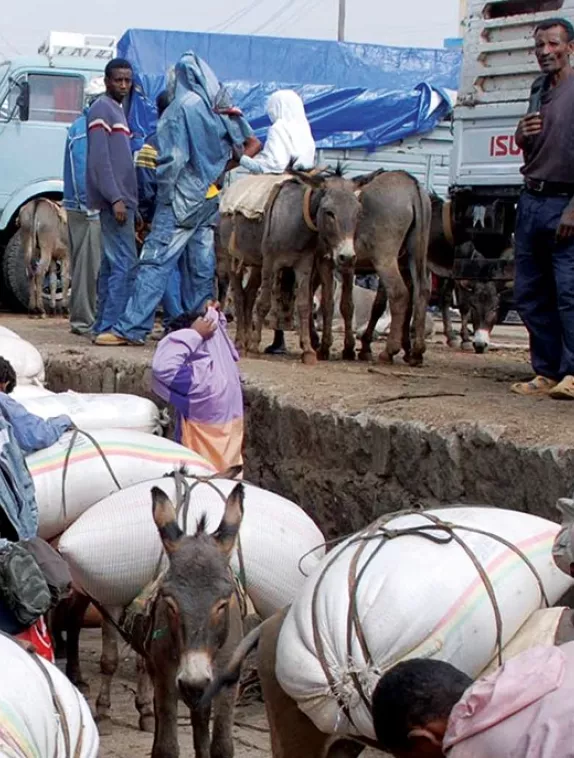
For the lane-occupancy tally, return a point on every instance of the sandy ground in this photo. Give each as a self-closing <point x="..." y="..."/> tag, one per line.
<point x="251" y="734"/>
<point x="452" y="386"/>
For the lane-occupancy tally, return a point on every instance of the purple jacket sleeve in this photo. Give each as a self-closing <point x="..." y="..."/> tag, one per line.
<point x="99" y="162"/>
<point x="177" y="364"/>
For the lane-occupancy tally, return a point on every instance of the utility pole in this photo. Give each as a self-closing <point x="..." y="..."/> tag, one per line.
<point x="341" y="26"/>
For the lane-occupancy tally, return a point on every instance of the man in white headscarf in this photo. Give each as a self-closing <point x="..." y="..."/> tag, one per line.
<point x="289" y="142"/>
<point x="289" y="139"/>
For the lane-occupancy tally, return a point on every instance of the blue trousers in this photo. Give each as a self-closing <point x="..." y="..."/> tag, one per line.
<point x="171" y="302"/>
<point x="161" y="253"/>
<point x="544" y="284"/>
<point x="117" y="269"/>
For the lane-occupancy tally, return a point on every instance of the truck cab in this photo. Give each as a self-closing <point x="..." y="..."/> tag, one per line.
<point x="40" y="96"/>
<point x="499" y="67"/>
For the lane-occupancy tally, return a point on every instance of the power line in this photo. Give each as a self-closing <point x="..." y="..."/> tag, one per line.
<point x="279" y="12"/>
<point x="236" y="16"/>
<point x="294" y="17"/>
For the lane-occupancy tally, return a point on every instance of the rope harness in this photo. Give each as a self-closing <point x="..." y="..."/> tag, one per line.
<point x="378" y="532"/>
<point x="58" y="710"/>
<point x="76" y="432"/>
<point x="311" y="225"/>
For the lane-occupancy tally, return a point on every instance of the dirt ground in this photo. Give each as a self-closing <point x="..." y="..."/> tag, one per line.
<point x="251" y="734"/>
<point x="452" y="386"/>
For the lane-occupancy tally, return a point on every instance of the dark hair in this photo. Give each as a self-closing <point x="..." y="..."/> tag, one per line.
<point x="185" y="320"/>
<point x="414" y="693"/>
<point x="550" y="23"/>
<point x="116" y="64"/>
<point x="161" y="102"/>
<point x="7" y="375"/>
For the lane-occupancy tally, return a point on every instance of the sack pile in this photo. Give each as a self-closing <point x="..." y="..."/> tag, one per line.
<point x="114" y="549"/>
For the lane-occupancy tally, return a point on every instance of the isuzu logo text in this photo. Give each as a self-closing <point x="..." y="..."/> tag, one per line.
<point x="503" y="145"/>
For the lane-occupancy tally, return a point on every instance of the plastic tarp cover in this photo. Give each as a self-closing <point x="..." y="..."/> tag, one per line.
<point x="356" y="95"/>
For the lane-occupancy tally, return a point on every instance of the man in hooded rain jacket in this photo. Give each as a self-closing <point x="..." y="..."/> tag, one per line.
<point x="200" y="135"/>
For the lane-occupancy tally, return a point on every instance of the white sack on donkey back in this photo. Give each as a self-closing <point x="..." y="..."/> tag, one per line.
<point x="28" y="718"/>
<point x="73" y="474"/>
<point x="416" y="598"/>
<point x="23" y="356"/>
<point x="99" y="411"/>
<point x="114" y="548"/>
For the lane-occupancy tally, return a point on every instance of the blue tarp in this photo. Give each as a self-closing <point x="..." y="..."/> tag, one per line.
<point x="355" y="95"/>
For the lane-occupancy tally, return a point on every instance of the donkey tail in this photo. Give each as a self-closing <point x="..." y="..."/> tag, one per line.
<point x="230" y="675"/>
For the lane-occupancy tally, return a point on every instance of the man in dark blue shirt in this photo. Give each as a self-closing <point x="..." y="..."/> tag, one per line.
<point x="112" y="189"/>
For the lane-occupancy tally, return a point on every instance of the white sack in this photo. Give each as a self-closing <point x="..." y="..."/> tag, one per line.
<point x="114" y="548"/>
<point x="132" y="456"/>
<point x="416" y="599"/>
<point x="27" y="713"/>
<point x="99" y="411"/>
<point x="24" y="357"/>
<point x="25" y="392"/>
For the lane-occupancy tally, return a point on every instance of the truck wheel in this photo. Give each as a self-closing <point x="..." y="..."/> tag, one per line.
<point x="16" y="289"/>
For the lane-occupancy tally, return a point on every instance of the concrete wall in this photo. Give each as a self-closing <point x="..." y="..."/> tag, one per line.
<point x="346" y="470"/>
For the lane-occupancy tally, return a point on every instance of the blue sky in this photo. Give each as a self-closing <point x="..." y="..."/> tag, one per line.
<point x="416" y="23"/>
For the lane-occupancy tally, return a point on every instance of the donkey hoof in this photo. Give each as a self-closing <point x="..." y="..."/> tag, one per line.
<point x="365" y="355"/>
<point x="386" y="358"/>
<point x="415" y="361"/>
<point x="466" y="346"/>
<point x="323" y="353"/>
<point x="349" y="354"/>
<point x="309" y="358"/>
<point x="105" y="727"/>
<point x="147" y="724"/>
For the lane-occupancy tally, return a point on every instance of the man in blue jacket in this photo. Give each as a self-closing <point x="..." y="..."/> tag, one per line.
<point x="18" y="509"/>
<point x="83" y="224"/>
<point x="200" y="136"/>
<point x="30" y="432"/>
<point x="146" y="174"/>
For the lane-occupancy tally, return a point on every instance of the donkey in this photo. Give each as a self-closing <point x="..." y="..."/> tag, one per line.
<point x="392" y="238"/>
<point x="292" y="732"/>
<point x="309" y="224"/>
<point x="45" y="243"/>
<point x="191" y="625"/>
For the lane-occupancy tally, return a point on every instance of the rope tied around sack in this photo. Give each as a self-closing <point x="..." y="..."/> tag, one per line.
<point x="377" y="531"/>
<point x="74" y="436"/>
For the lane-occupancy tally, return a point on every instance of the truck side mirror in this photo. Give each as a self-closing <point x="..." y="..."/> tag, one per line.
<point x="23" y="102"/>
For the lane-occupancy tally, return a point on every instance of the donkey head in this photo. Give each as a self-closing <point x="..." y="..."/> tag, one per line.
<point x="192" y="610"/>
<point x="334" y="206"/>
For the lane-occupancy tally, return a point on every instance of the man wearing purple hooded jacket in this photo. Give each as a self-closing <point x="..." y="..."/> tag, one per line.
<point x="195" y="369"/>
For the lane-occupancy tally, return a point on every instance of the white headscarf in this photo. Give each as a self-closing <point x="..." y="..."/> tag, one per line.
<point x="289" y="137"/>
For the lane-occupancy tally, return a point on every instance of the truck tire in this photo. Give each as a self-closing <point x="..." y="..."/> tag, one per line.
<point x="16" y="289"/>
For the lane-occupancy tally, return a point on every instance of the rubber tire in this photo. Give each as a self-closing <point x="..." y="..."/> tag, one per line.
<point x="15" y="290"/>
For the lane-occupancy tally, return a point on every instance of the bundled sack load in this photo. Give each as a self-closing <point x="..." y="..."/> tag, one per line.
<point x="36" y="721"/>
<point x="83" y="468"/>
<point x="23" y="356"/>
<point x="25" y="392"/>
<point x="408" y="588"/>
<point x="114" y="550"/>
<point x="99" y="411"/>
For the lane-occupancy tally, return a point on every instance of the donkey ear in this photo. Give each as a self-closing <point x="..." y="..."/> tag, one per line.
<point x="228" y="529"/>
<point x="165" y="519"/>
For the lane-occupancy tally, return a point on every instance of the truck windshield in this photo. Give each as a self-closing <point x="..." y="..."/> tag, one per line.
<point x="3" y="70"/>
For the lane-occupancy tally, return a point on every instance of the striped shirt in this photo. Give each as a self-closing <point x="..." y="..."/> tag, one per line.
<point x="110" y="172"/>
